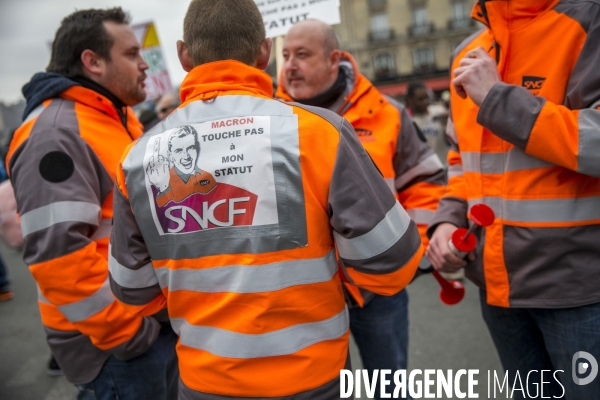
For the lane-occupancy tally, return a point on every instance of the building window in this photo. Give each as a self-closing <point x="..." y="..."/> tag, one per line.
<point x="379" y="23"/>
<point x="420" y="22"/>
<point x="420" y="17"/>
<point x="385" y="65"/>
<point x="377" y="4"/>
<point x="460" y="16"/>
<point x="459" y="11"/>
<point x="380" y="27"/>
<point x="423" y="60"/>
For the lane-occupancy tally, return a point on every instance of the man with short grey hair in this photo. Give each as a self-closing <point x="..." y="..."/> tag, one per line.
<point x="317" y="73"/>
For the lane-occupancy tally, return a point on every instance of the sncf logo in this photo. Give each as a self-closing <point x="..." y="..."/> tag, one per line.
<point x="533" y="82"/>
<point x="363" y="132"/>
<point x="364" y="135"/>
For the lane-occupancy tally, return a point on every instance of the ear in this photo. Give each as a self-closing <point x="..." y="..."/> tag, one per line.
<point x="184" y="56"/>
<point x="262" y="62"/>
<point x="92" y="63"/>
<point x="334" y="59"/>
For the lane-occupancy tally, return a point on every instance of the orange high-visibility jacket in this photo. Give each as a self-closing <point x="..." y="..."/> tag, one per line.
<point x="61" y="161"/>
<point x="532" y="153"/>
<point x="412" y="170"/>
<point x="257" y="302"/>
<point x="410" y="167"/>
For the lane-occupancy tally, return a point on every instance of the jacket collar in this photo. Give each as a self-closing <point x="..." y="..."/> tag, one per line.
<point x="361" y="84"/>
<point x="49" y="85"/>
<point x="96" y="87"/>
<point x="206" y="81"/>
<point x="44" y="86"/>
<point x="509" y="12"/>
<point x="93" y="99"/>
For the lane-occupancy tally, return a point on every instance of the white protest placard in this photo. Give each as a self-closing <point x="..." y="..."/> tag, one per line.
<point x="280" y="15"/>
<point x="210" y="175"/>
<point x="157" y="80"/>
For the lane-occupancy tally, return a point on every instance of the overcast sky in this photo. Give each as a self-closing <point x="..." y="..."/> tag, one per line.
<point x="27" y="26"/>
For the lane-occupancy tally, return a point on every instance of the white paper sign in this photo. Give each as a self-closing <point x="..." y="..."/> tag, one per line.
<point x="214" y="174"/>
<point x="280" y="15"/>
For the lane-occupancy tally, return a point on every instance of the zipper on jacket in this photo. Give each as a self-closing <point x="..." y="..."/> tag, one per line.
<point x="496" y="47"/>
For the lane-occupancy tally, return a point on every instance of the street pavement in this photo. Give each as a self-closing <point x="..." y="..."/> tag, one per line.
<point x="441" y="338"/>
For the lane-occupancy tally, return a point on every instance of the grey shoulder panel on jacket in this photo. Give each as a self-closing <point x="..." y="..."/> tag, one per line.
<point x="58" y="111"/>
<point x="66" y="173"/>
<point x="328" y="115"/>
<point x="585" y="12"/>
<point x="464" y="44"/>
<point x="583" y="89"/>
<point x="414" y="160"/>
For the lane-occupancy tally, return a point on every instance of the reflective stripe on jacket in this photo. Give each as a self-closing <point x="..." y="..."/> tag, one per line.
<point x="531" y="152"/>
<point x="61" y="162"/>
<point x="248" y="268"/>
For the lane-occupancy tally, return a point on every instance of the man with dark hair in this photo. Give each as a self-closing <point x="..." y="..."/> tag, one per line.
<point x="417" y="98"/>
<point x="62" y="161"/>
<point x="256" y="300"/>
<point x="418" y="102"/>
<point x="317" y="73"/>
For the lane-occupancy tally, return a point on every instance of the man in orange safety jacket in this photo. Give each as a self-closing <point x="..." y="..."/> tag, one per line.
<point x="62" y="160"/>
<point x="525" y="128"/>
<point x="317" y="73"/>
<point x="257" y="302"/>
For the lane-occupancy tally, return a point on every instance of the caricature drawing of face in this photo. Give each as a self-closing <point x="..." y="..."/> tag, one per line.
<point x="184" y="150"/>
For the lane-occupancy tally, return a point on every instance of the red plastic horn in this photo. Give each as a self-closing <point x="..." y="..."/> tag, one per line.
<point x="452" y="292"/>
<point x="462" y="242"/>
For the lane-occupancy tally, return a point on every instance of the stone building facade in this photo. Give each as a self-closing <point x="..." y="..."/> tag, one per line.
<point x="398" y="41"/>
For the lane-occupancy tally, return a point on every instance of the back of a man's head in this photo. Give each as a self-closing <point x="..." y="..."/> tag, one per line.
<point x="83" y="30"/>
<point x="215" y="30"/>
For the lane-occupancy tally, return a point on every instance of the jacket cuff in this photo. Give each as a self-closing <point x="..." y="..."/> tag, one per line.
<point x="452" y="210"/>
<point x="510" y="112"/>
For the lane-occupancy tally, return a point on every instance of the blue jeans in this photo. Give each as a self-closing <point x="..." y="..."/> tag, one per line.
<point x="3" y="274"/>
<point x="530" y="339"/>
<point x="153" y="375"/>
<point x="380" y="330"/>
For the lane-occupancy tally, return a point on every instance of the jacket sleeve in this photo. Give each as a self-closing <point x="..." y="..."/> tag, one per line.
<point x="60" y="186"/>
<point x="420" y="175"/>
<point x="378" y="243"/>
<point x="453" y="206"/>
<point x="565" y="134"/>
<point x="551" y="132"/>
<point x="132" y="278"/>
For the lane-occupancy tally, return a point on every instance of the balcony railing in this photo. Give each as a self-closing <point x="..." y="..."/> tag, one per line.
<point x="377" y="3"/>
<point x="385" y="74"/>
<point x="424" y="69"/>
<point x="421" y="30"/>
<point x="381" y="35"/>
<point x="463" y="23"/>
